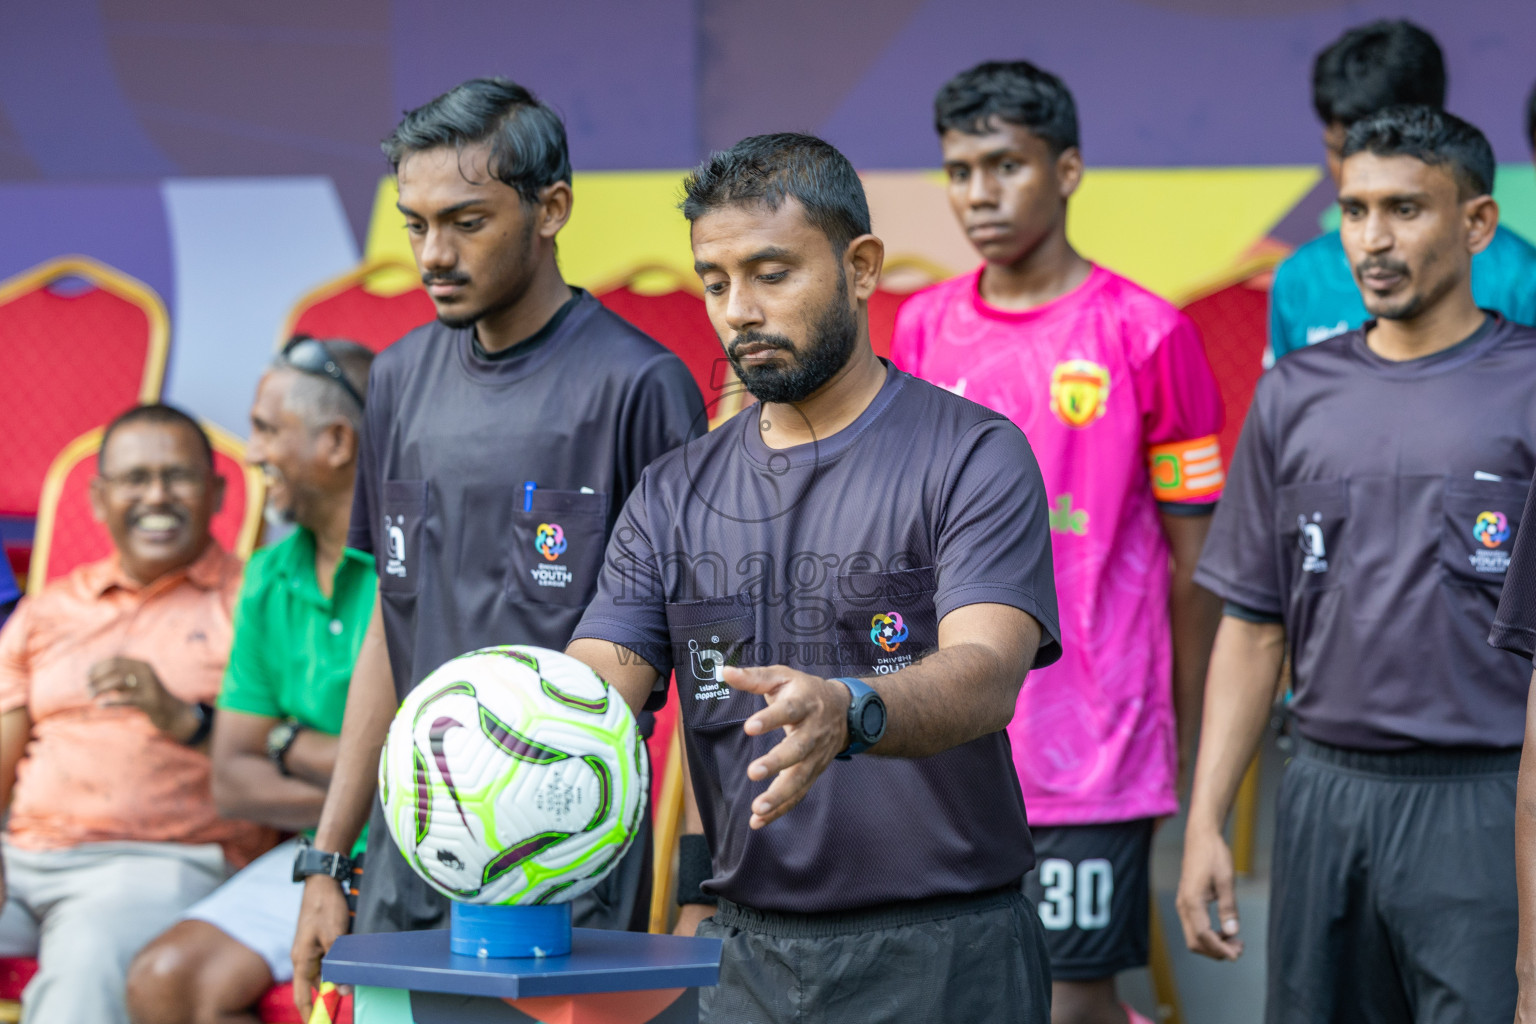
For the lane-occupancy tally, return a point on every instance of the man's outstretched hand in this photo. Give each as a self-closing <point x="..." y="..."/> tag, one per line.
<point x="812" y="711"/>
<point x="323" y="918"/>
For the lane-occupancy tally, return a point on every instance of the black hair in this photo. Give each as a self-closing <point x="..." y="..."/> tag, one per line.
<point x="1530" y="119"/>
<point x="768" y="169"/>
<point x="1431" y="135"/>
<point x="1013" y="91"/>
<point x="527" y="138"/>
<point x="155" y="413"/>
<point x="1372" y="67"/>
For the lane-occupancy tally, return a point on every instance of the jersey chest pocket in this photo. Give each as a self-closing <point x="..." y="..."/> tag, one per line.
<point x="557" y="545"/>
<point x="1312" y="520"/>
<point x="1477" y="529"/>
<point x="707" y="636"/>
<point x="399" y="558"/>
<point x="885" y="620"/>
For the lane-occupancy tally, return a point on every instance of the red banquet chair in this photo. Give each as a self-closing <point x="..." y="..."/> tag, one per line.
<point x="902" y="276"/>
<point x="352" y="307"/>
<point x="1233" y="317"/>
<point x="80" y="341"/>
<point x="68" y="535"/>
<point x="676" y="318"/>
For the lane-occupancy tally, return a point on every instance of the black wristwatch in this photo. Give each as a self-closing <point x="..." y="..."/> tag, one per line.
<point x="204" y="713"/>
<point x="279" y="739"/>
<point x="310" y="861"/>
<point x="866" y="717"/>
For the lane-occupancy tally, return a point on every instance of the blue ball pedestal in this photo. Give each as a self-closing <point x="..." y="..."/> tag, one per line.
<point x="509" y="931"/>
<point x="606" y="978"/>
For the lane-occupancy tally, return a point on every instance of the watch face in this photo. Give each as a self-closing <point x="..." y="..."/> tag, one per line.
<point x="872" y="720"/>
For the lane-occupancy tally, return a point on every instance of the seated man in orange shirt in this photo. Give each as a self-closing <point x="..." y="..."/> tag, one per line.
<point x="106" y="683"/>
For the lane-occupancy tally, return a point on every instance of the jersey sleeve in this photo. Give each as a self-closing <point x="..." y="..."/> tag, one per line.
<point x="994" y="541"/>
<point x="248" y="679"/>
<point x="365" y="492"/>
<point x="629" y="608"/>
<point x="663" y="409"/>
<point x="1181" y="421"/>
<point x="1514" y="626"/>
<point x="1238" y="561"/>
<point x="15" y="670"/>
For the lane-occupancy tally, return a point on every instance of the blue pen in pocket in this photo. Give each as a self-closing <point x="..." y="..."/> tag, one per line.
<point x="528" y="489"/>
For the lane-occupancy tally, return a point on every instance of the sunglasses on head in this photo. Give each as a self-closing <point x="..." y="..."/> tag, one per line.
<point x="309" y="355"/>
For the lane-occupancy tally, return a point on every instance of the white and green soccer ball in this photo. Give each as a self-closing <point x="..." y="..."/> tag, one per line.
<point x="513" y="775"/>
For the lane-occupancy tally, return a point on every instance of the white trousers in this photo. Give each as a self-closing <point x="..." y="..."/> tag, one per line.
<point x="84" y="912"/>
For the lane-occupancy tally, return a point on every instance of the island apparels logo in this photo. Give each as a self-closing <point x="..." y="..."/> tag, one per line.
<point x="1314" y="553"/>
<point x="1491" y="530"/>
<point x="394" y="535"/>
<point x="549" y="541"/>
<point x="705" y="664"/>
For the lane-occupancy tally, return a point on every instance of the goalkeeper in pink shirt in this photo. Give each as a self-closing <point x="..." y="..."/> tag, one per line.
<point x="1111" y="386"/>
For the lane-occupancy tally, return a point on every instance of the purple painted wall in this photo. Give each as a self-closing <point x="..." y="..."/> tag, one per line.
<point x="129" y="90"/>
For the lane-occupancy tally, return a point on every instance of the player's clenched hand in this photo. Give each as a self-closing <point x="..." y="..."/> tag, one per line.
<point x="323" y="919"/>
<point x="812" y="711"/>
<point x="1208" y="877"/>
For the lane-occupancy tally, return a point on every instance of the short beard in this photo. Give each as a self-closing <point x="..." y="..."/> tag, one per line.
<point x="833" y="337"/>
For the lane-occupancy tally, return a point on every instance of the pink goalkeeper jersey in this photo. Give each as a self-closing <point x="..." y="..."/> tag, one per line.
<point x="1112" y="388"/>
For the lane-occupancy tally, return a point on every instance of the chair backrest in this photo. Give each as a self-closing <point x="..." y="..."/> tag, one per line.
<point x="374" y="304"/>
<point x="1233" y="318"/>
<point x="72" y="358"/>
<point x="669" y="307"/>
<point x="68" y="535"/>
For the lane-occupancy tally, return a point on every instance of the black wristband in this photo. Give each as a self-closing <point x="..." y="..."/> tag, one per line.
<point x="694" y="868"/>
<point x="204" y="714"/>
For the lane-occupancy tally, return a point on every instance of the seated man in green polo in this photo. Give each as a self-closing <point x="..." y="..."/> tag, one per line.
<point x="302" y="614"/>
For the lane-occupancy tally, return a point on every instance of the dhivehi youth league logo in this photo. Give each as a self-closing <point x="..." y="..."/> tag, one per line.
<point x="887" y="630"/>
<point x="549" y="541"/>
<point x="1491" y="529"/>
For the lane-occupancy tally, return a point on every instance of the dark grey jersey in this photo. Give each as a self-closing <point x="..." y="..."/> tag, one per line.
<point x="486" y="489"/>
<point x="837" y="558"/>
<point x="1514" y="628"/>
<point x="1372" y="505"/>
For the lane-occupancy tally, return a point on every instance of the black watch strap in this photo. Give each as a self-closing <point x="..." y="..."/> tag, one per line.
<point x="204" y="713"/>
<point x="310" y="861"/>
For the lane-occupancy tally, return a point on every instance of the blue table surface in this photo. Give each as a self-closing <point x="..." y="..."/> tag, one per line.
<point x="599" y="961"/>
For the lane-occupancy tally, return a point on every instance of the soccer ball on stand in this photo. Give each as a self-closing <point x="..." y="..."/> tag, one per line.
<point x="513" y="775"/>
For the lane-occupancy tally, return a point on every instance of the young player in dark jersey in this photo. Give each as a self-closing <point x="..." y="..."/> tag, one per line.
<point x="860" y="565"/>
<point x="525" y="405"/>
<point x="1365" y="527"/>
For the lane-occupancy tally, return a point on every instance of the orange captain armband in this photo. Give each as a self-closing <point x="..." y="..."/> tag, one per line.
<point x="1186" y="470"/>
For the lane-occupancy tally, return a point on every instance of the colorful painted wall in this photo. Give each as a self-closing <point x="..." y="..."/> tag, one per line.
<point x="226" y="153"/>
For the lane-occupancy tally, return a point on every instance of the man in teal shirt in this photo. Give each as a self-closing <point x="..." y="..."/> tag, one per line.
<point x="1314" y="295"/>
<point x="303" y="611"/>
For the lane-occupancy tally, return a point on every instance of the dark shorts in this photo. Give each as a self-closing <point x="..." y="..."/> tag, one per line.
<point x="1393" y="897"/>
<point x="1091" y="883"/>
<point x="939" y="961"/>
<point x="393" y="897"/>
